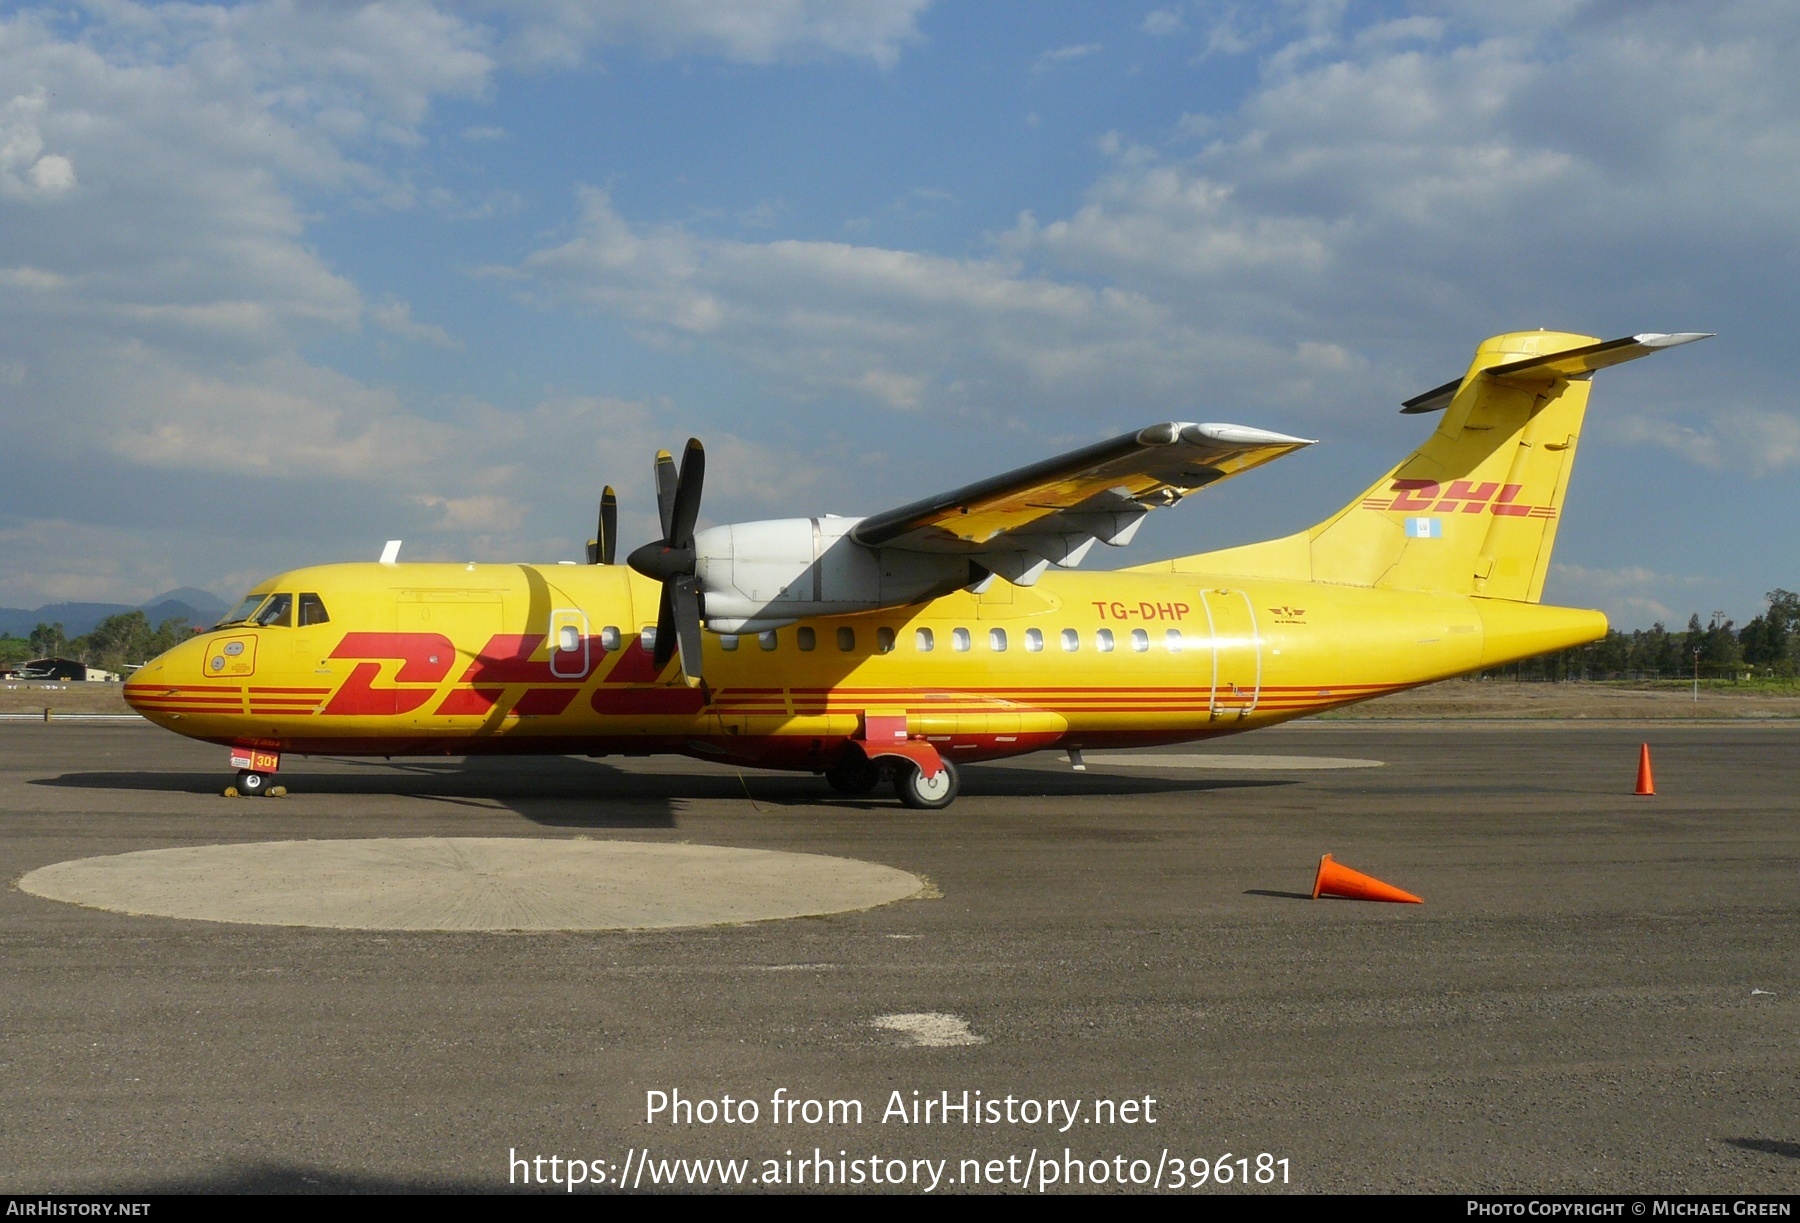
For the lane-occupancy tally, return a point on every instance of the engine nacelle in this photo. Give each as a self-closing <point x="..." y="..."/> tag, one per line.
<point x="760" y="575"/>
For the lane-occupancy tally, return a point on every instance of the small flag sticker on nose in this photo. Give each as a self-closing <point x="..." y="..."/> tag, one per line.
<point x="1424" y="528"/>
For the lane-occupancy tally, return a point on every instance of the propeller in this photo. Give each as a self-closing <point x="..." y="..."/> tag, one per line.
<point x="670" y="560"/>
<point x="605" y="544"/>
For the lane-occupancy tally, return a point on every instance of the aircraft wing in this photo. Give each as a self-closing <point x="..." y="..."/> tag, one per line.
<point x="1052" y="512"/>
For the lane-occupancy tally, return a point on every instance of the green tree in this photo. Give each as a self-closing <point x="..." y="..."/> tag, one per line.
<point x="47" y="640"/>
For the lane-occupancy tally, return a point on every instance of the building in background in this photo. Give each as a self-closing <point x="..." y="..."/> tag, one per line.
<point x="62" y="669"/>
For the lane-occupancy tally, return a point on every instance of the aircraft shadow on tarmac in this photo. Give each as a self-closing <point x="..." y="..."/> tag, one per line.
<point x="575" y="792"/>
<point x="1768" y="1146"/>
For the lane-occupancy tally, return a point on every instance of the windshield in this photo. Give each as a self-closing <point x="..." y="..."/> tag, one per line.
<point x="244" y="611"/>
<point x="277" y="612"/>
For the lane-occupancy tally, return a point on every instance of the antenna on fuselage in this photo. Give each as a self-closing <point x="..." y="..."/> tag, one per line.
<point x="391" y="552"/>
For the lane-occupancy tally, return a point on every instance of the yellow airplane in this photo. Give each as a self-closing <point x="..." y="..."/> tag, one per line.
<point x="945" y="631"/>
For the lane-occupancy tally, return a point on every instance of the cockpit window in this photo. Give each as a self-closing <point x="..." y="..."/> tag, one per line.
<point x="244" y="611"/>
<point x="278" y="612"/>
<point x="312" y="610"/>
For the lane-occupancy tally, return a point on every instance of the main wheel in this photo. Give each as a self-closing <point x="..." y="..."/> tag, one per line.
<point x="252" y="784"/>
<point x="926" y="793"/>
<point x="855" y="773"/>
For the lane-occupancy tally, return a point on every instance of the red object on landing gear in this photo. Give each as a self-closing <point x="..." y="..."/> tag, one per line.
<point x="247" y="756"/>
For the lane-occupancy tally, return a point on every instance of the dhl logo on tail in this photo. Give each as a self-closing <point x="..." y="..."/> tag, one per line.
<point x="1467" y="496"/>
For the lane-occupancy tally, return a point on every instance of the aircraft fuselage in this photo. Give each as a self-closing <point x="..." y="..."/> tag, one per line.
<point x="454" y="659"/>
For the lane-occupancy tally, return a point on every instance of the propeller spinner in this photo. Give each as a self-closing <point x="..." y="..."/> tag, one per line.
<point x="670" y="560"/>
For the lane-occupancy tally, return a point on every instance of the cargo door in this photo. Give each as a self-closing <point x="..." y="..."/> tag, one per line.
<point x="466" y="621"/>
<point x="1236" y="652"/>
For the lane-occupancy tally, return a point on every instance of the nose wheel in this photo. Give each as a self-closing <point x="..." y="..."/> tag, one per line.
<point x="926" y="793"/>
<point x="252" y="784"/>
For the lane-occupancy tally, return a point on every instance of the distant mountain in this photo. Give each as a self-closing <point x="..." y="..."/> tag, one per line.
<point x="207" y="606"/>
<point x="198" y="607"/>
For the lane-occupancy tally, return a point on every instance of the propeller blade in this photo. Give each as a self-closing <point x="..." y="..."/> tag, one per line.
<point x="686" y="606"/>
<point x="665" y="627"/>
<point x="686" y="509"/>
<point x="608" y="539"/>
<point x="666" y="484"/>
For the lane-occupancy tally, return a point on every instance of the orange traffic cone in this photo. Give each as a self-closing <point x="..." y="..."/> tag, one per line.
<point x="1646" y="785"/>
<point x="1336" y="880"/>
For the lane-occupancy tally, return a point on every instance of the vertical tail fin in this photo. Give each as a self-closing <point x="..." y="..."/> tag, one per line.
<point x="1475" y="509"/>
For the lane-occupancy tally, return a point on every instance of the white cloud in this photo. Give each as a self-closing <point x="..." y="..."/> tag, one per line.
<point x="1163" y="22"/>
<point x="900" y="328"/>
<point x="1631" y="596"/>
<point x="395" y="318"/>
<point x="26" y="171"/>
<point x="1755" y="441"/>
<point x="160" y="168"/>
<point x="751" y="31"/>
<point x="1063" y="55"/>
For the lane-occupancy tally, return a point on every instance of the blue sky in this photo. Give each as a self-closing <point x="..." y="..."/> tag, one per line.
<point x="281" y="281"/>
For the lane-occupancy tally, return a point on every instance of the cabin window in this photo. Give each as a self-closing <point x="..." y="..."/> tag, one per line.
<point x="609" y="637"/>
<point x="1103" y="641"/>
<point x="884" y="641"/>
<point x="1172" y="641"/>
<point x="312" y="611"/>
<point x="728" y="641"/>
<point x="959" y="639"/>
<point x="1071" y="641"/>
<point x="568" y="639"/>
<point x="647" y="639"/>
<point x="278" y="612"/>
<point x="1140" y="641"/>
<point x="1034" y="641"/>
<point x="767" y="640"/>
<point x="806" y="638"/>
<point x="846" y="639"/>
<point x="997" y="640"/>
<point x="923" y="641"/>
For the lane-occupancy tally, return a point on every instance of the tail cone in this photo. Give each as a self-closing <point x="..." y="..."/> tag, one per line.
<point x="1646" y="784"/>
<point x="1336" y="880"/>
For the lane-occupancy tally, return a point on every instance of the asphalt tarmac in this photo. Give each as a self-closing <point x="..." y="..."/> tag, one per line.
<point x="1601" y="992"/>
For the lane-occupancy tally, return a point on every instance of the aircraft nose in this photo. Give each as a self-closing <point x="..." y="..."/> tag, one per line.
<point x="150" y="684"/>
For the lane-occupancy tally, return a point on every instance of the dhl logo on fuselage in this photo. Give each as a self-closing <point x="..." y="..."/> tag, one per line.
<point x="1422" y="496"/>
<point x="506" y="660"/>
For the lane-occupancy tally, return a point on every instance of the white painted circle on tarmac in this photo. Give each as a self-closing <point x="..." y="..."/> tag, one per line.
<point x="472" y="884"/>
<point x="1195" y="760"/>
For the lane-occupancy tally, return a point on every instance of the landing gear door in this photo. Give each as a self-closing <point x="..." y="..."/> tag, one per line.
<point x="1236" y="652"/>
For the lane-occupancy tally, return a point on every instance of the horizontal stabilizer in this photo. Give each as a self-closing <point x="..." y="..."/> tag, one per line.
<point x="1545" y="369"/>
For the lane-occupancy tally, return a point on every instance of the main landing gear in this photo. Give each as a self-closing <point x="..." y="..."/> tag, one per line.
<point x="854" y="773"/>
<point x="857" y="775"/>
<point x="926" y="793"/>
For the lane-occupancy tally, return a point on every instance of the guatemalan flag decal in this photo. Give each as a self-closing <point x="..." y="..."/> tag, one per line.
<point x="1425" y="528"/>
